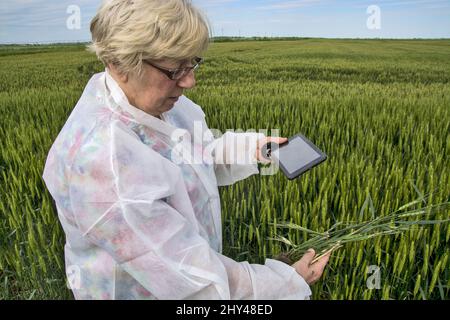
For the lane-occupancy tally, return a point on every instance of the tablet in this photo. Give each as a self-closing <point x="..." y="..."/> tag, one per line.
<point x="296" y="156"/>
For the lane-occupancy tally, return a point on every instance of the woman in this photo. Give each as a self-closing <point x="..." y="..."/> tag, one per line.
<point x="140" y="223"/>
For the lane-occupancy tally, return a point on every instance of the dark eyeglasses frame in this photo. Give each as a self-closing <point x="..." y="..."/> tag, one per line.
<point x="177" y="74"/>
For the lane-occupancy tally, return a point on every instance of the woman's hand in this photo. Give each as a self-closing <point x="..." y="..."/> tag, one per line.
<point x="262" y="142"/>
<point x="311" y="272"/>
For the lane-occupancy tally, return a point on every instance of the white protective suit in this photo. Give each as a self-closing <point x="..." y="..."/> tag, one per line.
<point x="140" y="225"/>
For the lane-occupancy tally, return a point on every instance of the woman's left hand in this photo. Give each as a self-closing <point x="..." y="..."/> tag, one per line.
<point x="262" y="142"/>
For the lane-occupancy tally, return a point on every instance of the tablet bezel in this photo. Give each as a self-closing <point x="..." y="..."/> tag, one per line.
<point x="306" y="167"/>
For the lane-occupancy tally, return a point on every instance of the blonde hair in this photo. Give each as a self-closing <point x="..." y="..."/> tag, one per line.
<point x="125" y="32"/>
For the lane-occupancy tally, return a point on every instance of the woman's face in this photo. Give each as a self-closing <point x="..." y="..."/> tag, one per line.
<point x="154" y="92"/>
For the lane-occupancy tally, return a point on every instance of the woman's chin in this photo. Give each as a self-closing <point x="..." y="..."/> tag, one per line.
<point x="166" y="106"/>
<point x="170" y="103"/>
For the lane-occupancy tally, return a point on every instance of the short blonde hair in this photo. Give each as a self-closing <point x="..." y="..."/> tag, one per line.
<point x="125" y="32"/>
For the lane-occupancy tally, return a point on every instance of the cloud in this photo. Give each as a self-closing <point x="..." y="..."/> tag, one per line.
<point x="393" y="3"/>
<point x="213" y="3"/>
<point x="36" y="9"/>
<point x="44" y="20"/>
<point x="289" y="4"/>
<point x="37" y="20"/>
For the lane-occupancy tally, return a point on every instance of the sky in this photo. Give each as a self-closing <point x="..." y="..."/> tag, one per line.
<point x="47" y="21"/>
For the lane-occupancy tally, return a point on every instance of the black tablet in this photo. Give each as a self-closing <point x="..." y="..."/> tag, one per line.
<point x="296" y="156"/>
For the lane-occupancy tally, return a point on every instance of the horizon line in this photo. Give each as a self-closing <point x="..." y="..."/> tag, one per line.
<point x="237" y="38"/>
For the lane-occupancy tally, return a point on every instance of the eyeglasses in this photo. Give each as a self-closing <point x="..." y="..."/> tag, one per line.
<point x="177" y="74"/>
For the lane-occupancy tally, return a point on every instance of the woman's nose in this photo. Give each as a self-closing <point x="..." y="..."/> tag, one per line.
<point x="188" y="81"/>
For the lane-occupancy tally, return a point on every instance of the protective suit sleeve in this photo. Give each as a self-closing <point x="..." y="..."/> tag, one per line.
<point x="131" y="202"/>
<point x="233" y="153"/>
<point x="234" y="156"/>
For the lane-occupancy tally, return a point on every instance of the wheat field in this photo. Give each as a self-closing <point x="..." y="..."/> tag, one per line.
<point x="380" y="110"/>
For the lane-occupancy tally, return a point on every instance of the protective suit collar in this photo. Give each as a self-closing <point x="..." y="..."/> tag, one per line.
<point x="163" y="127"/>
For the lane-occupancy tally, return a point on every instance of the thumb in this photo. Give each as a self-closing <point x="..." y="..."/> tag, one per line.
<point x="308" y="257"/>
<point x="278" y="140"/>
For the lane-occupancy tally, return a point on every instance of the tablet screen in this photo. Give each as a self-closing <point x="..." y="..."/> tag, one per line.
<point x="296" y="154"/>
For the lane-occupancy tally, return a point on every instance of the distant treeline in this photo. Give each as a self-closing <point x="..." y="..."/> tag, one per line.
<point x="237" y="39"/>
<point x="70" y="45"/>
<point x="233" y="39"/>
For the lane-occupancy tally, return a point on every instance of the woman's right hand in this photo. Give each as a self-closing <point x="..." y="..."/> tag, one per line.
<point x="311" y="272"/>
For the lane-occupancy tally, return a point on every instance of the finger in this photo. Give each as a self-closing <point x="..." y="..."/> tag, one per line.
<point x="322" y="262"/>
<point x="308" y="256"/>
<point x="314" y="276"/>
<point x="278" y="140"/>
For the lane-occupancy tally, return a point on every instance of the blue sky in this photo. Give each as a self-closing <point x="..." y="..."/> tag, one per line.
<point x="36" y="21"/>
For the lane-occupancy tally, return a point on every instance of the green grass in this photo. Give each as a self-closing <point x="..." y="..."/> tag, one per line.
<point x="380" y="109"/>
